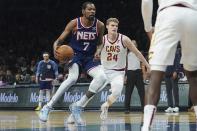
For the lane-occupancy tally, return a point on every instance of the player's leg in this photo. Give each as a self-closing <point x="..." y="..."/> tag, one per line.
<point x="176" y="95"/>
<point x="71" y="80"/>
<point x="48" y="95"/>
<point x="140" y="87"/>
<point x="98" y="82"/>
<point x="43" y="86"/>
<point x="65" y="85"/>
<point x="99" y="79"/>
<point x="129" y="89"/>
<point x="189" y="46"/>
<point x="168" y="82"/>
<point x="161" y="53"/>
<point x="40" y="100"/>
<point x="117" y="83"/>
<point x="192" y="79"/>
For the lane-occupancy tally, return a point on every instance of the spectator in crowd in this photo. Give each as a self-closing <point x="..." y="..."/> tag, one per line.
<point x="134" y="78"/>
<point x="10" y="79"/>
<point x="47" y="71"/>
<point x="171" y="80"/>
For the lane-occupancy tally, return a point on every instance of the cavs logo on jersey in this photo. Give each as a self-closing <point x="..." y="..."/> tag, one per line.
<point x="112" y="52"/>
<point x="115" y="48"/>
<point x="81" y="35"/>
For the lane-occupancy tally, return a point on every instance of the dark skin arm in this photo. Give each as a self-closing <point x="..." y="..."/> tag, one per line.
<point x="69" y="28"/>
<point x="101" y="29"/>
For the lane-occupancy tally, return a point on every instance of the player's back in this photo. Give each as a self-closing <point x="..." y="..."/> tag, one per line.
<point x="166" y="3"/>
<point x="113" y="55"/>
<point x="84" y="39"/>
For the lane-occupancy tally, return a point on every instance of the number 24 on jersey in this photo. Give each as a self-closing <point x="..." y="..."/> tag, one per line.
<point x="112" y="57"/>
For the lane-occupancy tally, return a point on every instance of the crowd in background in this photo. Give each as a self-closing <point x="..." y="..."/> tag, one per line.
<point x="28" y="28"/>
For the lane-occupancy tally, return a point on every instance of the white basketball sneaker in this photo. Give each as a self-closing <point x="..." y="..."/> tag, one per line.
<point x="176" y="109"/>
<point x="70" y="119"/>
<point x="44" y="113"/>
<point x="76" y="113"/>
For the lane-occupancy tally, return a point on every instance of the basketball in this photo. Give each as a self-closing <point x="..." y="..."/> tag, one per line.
<point x="65" y="52"/>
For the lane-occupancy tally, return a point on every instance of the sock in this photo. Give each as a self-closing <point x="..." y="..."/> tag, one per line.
<point x="195" y="110"/>
<point x="110" y="100"/>
<point x="40" y="98"/>
<point x="83" y="101"/>
<point x="48" y="95"/>
<point x="149" y="111"/>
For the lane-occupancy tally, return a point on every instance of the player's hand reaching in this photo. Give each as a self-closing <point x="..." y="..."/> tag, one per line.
<point x="148" y="72"/>
<point x="97" y="55"/>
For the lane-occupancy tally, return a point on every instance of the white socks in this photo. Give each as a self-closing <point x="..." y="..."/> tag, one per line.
<point x="195" y="110"/>
<point x="40" y="99"/>
<point x="48" y="95"/>
<point x="149" y="111"/>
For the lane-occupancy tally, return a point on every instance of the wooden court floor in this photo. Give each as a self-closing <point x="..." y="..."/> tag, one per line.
<point x="117" y="121"/>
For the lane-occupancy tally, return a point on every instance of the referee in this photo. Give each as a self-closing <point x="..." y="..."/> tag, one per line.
<point x="47" y="71"/>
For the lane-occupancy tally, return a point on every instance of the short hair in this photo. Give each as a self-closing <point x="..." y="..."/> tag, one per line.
<point x="84" y="5"/>
<point x="46" y="53"/>
<point x="112" y="20"/>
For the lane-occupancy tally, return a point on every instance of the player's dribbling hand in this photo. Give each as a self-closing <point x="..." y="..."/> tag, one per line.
<point x="55" y="52"/>
<point x="64" y="61"/>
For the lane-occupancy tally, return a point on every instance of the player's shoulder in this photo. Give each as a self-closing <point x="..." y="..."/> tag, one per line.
<point x="100" y="23"/>
<point x="73" y="22"/>
<point x="124" y="37"/>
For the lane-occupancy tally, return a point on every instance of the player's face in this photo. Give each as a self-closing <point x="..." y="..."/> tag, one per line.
<point x="112" y="27"/>
<point x="45" y="57"/>
<point x="89" y="12"/>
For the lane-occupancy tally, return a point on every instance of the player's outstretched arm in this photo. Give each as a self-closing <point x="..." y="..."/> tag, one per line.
<point x="131" y="46"/>
<point x="147" y="11"/>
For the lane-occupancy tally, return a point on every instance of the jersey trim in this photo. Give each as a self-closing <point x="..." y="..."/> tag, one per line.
<point x="123" y="69"/>
<point x="104" y="40"/>
<point x="97" y="27"/>
<point x="122" y="41"/>
<point x="113" y="41"/>
<point x="85" y="26"/>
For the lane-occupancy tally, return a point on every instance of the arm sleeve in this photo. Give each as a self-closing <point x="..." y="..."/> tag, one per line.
<point x="147" y="10"/>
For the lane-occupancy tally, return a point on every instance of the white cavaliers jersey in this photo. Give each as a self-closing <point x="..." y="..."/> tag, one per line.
<point x="113" y="54"/>
<point x="166" y="3"/>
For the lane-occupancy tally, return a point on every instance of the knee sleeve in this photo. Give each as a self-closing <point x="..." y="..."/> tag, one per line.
<point x="99" y="79"/>
<point x="48" y="95"/>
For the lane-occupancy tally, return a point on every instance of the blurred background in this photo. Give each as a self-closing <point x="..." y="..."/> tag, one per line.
<point x="29" y="27"/>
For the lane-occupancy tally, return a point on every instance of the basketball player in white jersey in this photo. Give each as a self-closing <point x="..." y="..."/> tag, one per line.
<point x="176" y="21"/>
<point x="113" y="60"/>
